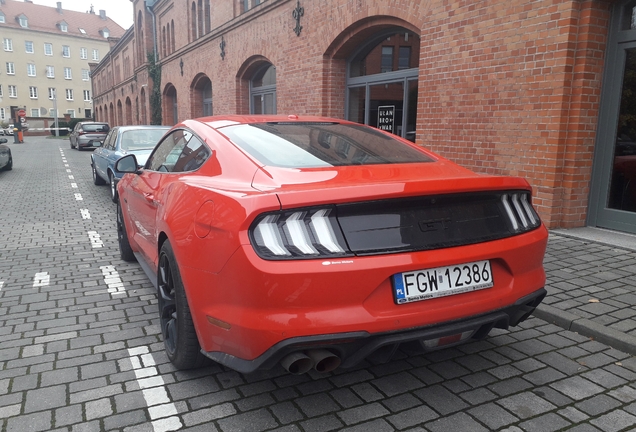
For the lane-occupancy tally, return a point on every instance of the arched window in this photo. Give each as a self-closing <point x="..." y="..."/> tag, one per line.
<point x="193" y="22"/>
<point x="263" y="90"/>
<point x="171" y="115"/>
<point x="172" y="35"/>
<point x="201" y="96"/>
<point x="163" y="41"/>
<point x="128" y="113"/>
<point x="208" y="17"/>
<point x="144" y="120"/>
<point x="140" y="40"/>
<point x="200" y="28"/>
<point x="168" y="40"/>
<point x="120" y="114"/>
<point x="382" y="82"/>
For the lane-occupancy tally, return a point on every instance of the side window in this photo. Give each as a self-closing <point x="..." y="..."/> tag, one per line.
<point x="167" y="152"/>
<point x="179" y="152"/>
<point x="109" y="142"/>
<point x="193" y="155"/>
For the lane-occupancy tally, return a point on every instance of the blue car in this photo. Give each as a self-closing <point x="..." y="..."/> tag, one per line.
<point x="120" y="141"/>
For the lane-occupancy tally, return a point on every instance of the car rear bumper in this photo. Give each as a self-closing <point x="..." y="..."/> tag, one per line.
<point x="251" y="305"/>
<point x="353" y="347"/>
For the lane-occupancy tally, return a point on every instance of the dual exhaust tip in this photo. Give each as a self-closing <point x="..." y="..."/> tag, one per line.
<point x="321" y="360"/>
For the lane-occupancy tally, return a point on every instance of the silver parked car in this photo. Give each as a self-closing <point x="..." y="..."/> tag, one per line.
<point x="88" y="134"/>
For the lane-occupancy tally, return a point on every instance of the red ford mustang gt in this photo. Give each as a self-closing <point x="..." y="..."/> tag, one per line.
<point x="316" y="243"/>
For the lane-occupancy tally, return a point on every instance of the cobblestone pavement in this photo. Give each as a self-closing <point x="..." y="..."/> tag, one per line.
<point x="80" y="348"/>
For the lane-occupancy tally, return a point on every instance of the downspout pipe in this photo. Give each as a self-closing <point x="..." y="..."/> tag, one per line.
<point x="154" y="29"/>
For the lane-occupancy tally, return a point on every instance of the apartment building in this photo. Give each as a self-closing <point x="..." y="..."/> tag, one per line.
<point x="45" y="56"/>
<point x="541" y="89"/>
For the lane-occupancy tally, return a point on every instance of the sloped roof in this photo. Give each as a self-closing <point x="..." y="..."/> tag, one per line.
<point x="46" y="18"/>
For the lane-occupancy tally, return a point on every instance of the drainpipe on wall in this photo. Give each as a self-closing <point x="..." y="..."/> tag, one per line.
<point x="149" y="5"/>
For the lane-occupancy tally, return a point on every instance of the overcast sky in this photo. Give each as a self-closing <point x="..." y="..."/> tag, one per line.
<point x="120" y="11"/>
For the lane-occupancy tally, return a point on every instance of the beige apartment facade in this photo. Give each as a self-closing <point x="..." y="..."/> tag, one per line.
<point x="45" y="57"/>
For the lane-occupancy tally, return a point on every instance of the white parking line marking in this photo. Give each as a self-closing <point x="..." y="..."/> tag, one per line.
<point x="66" y="165"/>
<point x="112" y="279"/>
<point x="85" y="214"/>
<point x="162" y="412"/>
<point x="68" y="170"/>
<point x="95" y="239"/>
<point x="71" y="177"/>
<point x="41" y="279"/>
<point x="74" y="185"/>
<point x="1" y="285"/>
<point x="78" y="197"/>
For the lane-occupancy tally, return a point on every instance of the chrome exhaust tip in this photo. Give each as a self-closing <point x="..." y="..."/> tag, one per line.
<point x="323" y="360"/>
<point x="297" y="363"/>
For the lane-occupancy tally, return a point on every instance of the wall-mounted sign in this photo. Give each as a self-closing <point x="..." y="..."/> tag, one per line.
<point x="386" y="117"/>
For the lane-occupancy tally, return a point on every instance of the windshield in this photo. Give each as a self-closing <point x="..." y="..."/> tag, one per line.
<point x="312" y="145"/>
<point x="141" y="139"/>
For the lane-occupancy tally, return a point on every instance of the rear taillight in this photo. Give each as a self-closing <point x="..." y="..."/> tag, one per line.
<point x="300" y="233"/>
<point x="521" y="215"/>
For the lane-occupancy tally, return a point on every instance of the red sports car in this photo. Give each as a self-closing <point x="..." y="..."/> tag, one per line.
<point x="315" y="243"/>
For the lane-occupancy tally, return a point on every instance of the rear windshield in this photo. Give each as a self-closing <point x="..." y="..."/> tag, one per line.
<point x="313" y="145"/>
<point x="95" y="128"/>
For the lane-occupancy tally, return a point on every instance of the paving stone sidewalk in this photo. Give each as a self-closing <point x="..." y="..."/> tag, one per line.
<point x="591" y="290"/>
<point x="79" y="352"/>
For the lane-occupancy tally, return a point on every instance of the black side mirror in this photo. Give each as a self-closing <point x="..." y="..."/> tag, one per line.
<point x="127" y="164"/>
<point x="3" y="140"/>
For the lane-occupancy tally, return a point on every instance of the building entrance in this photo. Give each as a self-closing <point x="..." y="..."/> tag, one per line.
<point x="613" y="192"/>
<point x="382" y="82"/>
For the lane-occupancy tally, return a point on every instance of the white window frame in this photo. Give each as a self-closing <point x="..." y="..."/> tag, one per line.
<point x="2" y="19"/>
<point x="66" y="51"/>
<point x="27" y="45"/>
<point x="86" y="74"/>
<point x="71" y="112"/>
<point x="64" y="27"/>
<point x="83" y="53"/>
<point x="50" y="71"/>
<point x="87" y="95"/>
<point x="3" y="115"/>
<point x="7" y="44"/>
<point x="48" y="49"/>
<point x="35" y="112"/>
<point x="68" y="73"/>
<point x="24" y="22"/>
<point x="96" y="55"/>
<point x="69" y="94"/>
<point x="31" y="71"/>
<point x="13" y="91"/>
<point x="33" y="92"/>
<point x="10" y="68"/>
<point x="51" y="93"/>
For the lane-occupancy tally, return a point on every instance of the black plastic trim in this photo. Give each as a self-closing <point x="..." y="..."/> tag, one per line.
<point x="356" y="346"/>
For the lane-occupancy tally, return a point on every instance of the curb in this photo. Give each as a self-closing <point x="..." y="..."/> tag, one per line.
<point x="583" y="326"/>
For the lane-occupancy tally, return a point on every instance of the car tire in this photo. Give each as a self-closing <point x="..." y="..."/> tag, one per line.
<point x="179" y="337"/>
<point x="97" y="180"/>
<point x="9" y="165"/>
<point x="71" y="142"/>
<point x="113" y="187"/>
<point x="125" y="251"/>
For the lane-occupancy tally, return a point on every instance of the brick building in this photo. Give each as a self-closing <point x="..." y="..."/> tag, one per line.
<point x="532" y="88"/>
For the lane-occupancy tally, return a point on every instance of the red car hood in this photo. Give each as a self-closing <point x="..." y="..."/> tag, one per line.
<point x="304" y="187"/>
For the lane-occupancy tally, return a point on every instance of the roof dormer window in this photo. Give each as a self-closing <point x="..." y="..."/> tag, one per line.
<point x="82" y="31"/>
<point x="24" y="22"/>
<point x="2" y="19"/>
<point x="105" y="32"/>
<point x="63" y="26"/>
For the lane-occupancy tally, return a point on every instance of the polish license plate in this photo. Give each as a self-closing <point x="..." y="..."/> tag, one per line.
<point x="441" y="281"/>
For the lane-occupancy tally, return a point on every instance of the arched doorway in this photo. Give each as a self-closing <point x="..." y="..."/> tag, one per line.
<point x="144" y="119"/>
<point x="120" y="114"/>
<point x="201" y="96"/>
<point x="612" y="201"/>
<point x="171" y="112"/>
<point x="382" y="80"/>
<point x="129" y="120"/>
<point x="112" y="115"/>
<point x="263" y="90"/>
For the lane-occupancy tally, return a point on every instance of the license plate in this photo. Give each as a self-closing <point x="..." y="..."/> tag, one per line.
<point x="441" y="281"/>
<point x="97" y="143"/>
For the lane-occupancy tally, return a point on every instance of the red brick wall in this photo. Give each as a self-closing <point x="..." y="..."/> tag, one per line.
<point x="504" y="87"/>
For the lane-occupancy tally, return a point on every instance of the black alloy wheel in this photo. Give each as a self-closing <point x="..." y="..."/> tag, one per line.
<point x="179" y="336"/>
